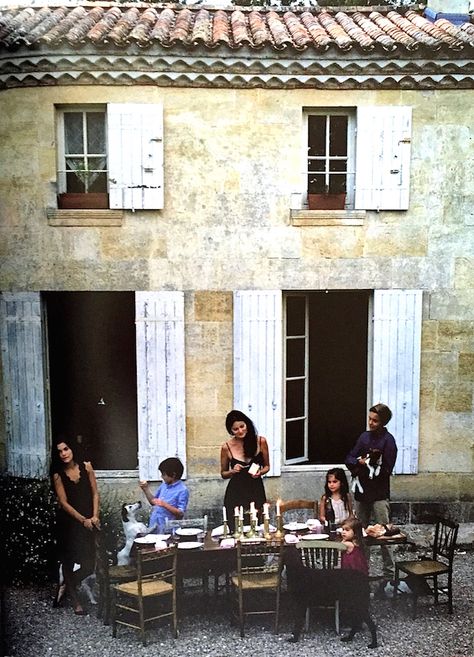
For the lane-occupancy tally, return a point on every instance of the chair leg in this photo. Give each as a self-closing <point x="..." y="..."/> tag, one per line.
<point x="450" y="593"/>
<point x="396" y="582"/>
<point x="435" y="588"/>
<point x="277" y="612"/>
<point x="415" y="603"/>
<point x="336" y="616"/>
<point x="241" y="613"/>
<point x="306" y="620"/>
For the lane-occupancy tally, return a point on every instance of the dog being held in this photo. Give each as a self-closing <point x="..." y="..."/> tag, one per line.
<point x="319" y="586"/>
<point x="132" y="528"/>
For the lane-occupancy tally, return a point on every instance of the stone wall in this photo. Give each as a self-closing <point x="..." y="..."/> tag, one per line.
<point x="232" y="159"/>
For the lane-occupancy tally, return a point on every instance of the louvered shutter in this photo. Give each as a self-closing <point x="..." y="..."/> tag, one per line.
<point x="383" y="158"/>
<point x="160" y="377"/>
<point x="396" y="368"/>
<point x="135" y="156"/>
<point x="25" y="399"/>
<point x="258" y="364"/>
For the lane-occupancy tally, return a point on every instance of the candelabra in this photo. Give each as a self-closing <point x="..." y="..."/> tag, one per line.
<point x="239" y="527"/>
<point x="253" y="528"/>
<point x="266" y="529"/>
<point x="225" y="529"/>
<point x="279" y="534"/>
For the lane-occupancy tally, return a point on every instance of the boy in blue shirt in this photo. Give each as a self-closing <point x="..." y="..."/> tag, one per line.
<point x="171" y="498"/>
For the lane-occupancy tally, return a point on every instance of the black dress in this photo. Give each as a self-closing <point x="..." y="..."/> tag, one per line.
<point x="243" y="488"/>
<point x="76" y="543"/>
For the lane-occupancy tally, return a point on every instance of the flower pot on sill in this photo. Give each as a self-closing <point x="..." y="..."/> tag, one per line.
<point x="77" y="201"/>
<point x="326" y="201"/>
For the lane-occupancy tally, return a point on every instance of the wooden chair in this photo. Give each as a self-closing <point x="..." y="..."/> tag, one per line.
<point x="199" y="523"/>
<point x="259" y="568"/>
<point x="108" y="575"/>
<point x="300" y="505"/>
<point x="137" y="603"/>
<point x="325" y="555"/>
<point x="190" y="571"/>
<point x="422" y="574"/>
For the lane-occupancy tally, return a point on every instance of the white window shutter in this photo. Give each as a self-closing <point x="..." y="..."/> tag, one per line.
<point x="135" y="156"/>
<point x="160" y="380"/>
<point x="383" y="158"/>
<point x="396" y="368"/>
<point x="25" y="397"/>
<point x="258" y="365"/>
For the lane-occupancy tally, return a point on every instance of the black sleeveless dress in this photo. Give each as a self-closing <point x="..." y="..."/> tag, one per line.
<point x="243" y="488"/>
<point x="75" y="543"/>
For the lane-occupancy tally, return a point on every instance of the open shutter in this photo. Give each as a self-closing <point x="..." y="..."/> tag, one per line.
<point x="135" y="156"/>
<point x="396" y="368"/>
<point x="258" y="364"/>
<point x="383" y="158"/>
<point x="25" y="397"/>
<point x="160" y="380"/>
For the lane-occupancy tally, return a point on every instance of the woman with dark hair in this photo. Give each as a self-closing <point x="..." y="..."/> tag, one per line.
<point x="244" y="460"/>
<point x="78" y="516"/>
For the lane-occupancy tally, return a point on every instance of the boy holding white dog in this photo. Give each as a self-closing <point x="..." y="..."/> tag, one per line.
<point x="172" y="496"/>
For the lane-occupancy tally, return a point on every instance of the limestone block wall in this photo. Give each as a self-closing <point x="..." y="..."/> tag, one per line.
<point x="232" y="159"/>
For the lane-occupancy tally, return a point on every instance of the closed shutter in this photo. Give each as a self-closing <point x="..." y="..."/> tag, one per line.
<point x="25" y="398"/>
<point x="383" y="158"/>
<point x="160" y="380"/>
<point x="396" y="368"/>
<point x="135" y="156"/>
<point x="258" y="364"/>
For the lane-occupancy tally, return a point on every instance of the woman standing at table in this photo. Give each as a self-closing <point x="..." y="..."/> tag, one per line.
<point x="244" y="449"/>
<point x="78" y="516"/>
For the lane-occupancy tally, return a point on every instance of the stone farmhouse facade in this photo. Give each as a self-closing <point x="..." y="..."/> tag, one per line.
<point x="205" y="208"/>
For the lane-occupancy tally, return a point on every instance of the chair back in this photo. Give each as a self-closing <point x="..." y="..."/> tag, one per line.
<point x="297" y="506"/>
<point x="156" y="565"/>
<point x="445" y="538"/>
<point x="198" y="523"/>
<point x="321" y="554"/>
<point x="254" y="559"/>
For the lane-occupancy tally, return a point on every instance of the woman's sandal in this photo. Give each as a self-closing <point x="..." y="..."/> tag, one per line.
<point x="79" y="611"/>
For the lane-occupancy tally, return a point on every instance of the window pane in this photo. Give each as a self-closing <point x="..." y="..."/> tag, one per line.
<point x="75" y="175"/>
<point x="95" y="132"/>
<point x="294" y="439"/>
<point x="295" y="398"/>
<point x="73" y="133"/>
<point x="338" y="135"/>
<point x="295" y="353"/>
<point x="295" y="315"/>
<point x="316" y="135"/>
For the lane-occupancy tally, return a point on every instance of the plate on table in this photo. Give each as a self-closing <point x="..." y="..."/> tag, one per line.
<point x="314" y="537"/>
<point x="295" y="526"/>
<point x="190" y="545"/>
<point x="150" y="539"/>
<point x="189" y="531"/>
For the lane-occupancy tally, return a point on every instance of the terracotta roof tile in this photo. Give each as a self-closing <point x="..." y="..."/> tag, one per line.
<point x="166" y="25"/>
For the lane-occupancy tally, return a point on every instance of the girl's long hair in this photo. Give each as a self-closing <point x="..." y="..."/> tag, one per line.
<point x="355" y="524"/>
<point x="250" y="440"/>
<point x="340" y="476"/>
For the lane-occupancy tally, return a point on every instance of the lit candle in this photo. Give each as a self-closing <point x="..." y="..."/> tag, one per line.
<point x="278" y="508"/>
<point x="266" y="506"/>
<point x="236" y="512"/>
<point x="224" y="513"/>
<point x="241" y="513"/>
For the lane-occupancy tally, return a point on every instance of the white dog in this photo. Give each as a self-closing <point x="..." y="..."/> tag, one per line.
<point x="86" y="587"/>
<point x="131" y="528"/>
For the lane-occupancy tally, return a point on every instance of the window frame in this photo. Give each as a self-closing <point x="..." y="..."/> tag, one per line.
<point x="351" y="113"/>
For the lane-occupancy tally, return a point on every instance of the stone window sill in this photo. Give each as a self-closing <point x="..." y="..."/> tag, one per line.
<point x="307" y="217"/>
<point x="82" y="218"/>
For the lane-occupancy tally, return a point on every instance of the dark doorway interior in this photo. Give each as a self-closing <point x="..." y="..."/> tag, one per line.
<point x="338" y="330"/>
<point x="91" y="339"/>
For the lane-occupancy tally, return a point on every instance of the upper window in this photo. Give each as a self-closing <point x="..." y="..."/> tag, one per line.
<point x="357" y="158"/>
<point x="110" y="156"/>
<point x="330" y="171"/>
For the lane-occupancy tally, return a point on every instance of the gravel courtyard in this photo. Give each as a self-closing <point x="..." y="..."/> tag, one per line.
<point x="35" y="629"/>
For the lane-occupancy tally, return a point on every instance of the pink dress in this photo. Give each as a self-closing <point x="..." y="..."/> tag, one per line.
<point x="355" y="560"/>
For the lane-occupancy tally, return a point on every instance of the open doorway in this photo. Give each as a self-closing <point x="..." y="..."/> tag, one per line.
<point x="326" y="358"/>
<point x="92" y="364"/>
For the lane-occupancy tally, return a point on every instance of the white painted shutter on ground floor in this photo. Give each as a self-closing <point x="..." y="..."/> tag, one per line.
<point x="25" y="397"/>
<point x="258" y="364"/>
<point x="396" y="368"/>
<point x="160" y="380"/>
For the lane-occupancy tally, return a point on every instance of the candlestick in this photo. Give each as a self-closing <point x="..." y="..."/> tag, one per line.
<point x="225" y="530"/>
<point x="279" y="534"/>
<point x="266" y="528"/>
<point x="253" y="528"/>
<point x="239" y="527"/>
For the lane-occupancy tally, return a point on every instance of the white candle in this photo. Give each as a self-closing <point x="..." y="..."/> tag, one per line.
<point x="278" y="508"/>
<point x="224" y="513"/>
<point x="266" y="506"/>
<point x="236" y="511"/>
<point x="252" y="508"/>
<point x="241" y="512"/>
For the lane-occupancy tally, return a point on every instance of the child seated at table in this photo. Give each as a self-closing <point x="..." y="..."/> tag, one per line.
<point x="171" y="498"/>
<point x="336" y="503"/>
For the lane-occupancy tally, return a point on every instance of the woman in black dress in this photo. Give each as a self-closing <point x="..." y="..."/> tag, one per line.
<point x="78" y="516"/>
<point x="237" y="455"/>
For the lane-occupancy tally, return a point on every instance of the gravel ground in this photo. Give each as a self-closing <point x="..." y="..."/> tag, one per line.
<point x="35" y="629"/>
